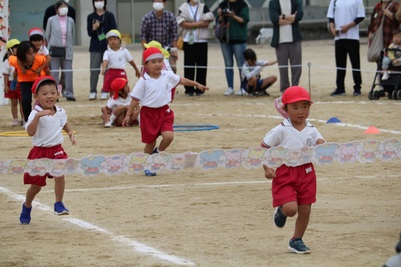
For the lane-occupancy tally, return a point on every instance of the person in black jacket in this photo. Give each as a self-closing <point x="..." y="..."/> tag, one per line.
<point x="99" y="23"/>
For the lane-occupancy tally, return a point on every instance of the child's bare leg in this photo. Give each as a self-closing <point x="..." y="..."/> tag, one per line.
<point x="21" y="111"/>
<point x="105" y="114"/>
<point x="14" y="108"/>
<point x="59" y="186"/>
<point x="168" y="137"/>
<point x="252" y="82"/>
<point x="289" y="209"/>
<point x="268" y="81"/>
<point x="303" y="220"/>
<point x="32" y="191"/>
<point x="149" y="147"/>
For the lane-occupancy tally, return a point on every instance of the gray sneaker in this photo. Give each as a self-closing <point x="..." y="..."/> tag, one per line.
<point x="297" y="246"/>
<point x="279" y="218"/>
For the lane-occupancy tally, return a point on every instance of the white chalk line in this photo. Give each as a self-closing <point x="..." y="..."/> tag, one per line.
<point x="139" y="247"/>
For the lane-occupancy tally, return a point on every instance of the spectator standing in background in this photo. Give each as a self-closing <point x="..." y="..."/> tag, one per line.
<point x="99" y="23"/>
<point x="51" y="11"/>
<point x="161" y="25"/>
<point x="285" y="16"/>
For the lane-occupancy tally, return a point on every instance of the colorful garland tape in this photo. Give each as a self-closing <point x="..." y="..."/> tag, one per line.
<point x="328" y="153"/>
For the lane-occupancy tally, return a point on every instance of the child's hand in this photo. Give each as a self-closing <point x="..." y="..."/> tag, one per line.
<point x="137" y="73"/>
<point x="6" y="89"/>
<point x="45" y="112"/>
<point x="126" y="120"/>
<point x="103" y="72"/>
<point x="270" y="173"/>
<point x="72" y="138"/>
<point x="202" y="87"/>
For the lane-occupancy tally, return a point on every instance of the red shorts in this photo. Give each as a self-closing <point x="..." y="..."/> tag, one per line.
<point x="294" y="184"/>
<point x="110" y="75"/>
<point x="13" y="94"/>
<point x="54" y="152"/>
<point x="154" y="121"/>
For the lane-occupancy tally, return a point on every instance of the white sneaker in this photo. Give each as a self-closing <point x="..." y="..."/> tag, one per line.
<point x="104" y="96"/>
<point x="92" y="96"/>
<point x="241" y="92"/>
<point x="229" y="91"/>
<point x="385" y="76"/>
<point x="107" y="124"/>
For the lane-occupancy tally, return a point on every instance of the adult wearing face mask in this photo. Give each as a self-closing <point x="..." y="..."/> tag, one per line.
<point x="60" y="41"/>
<point x="161" y="25"/>
<point x="99" y="23"/>
<point x="51" y="11"/>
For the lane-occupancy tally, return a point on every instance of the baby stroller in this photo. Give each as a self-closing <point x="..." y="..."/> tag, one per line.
<point x="391" y="86"/>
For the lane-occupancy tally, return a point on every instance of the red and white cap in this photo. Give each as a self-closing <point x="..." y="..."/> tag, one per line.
<point x="151" y="53"/>
<point x="294" y="94"/>
<point x="116" y="85"/>
<point x="36" y="31"/>
<point x="39" y="81"/>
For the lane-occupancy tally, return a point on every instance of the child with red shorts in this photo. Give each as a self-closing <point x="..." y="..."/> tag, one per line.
<point x="153" y="91"/>
<point x="11" y="85"/>
<point x="115" y="58"/>
<point x="293" y="188"/>
<point x="45" y="124"/>
<point x="117" y="105"/>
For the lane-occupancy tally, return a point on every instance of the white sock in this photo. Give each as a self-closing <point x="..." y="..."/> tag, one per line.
<point x="112" y="118"/>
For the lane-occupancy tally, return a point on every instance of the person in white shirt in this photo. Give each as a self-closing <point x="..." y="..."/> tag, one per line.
<point x="344" y="17"/>
<point x="154" y="92"/>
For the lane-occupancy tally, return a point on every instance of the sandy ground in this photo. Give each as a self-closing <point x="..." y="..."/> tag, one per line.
<point x="210" y="218"/>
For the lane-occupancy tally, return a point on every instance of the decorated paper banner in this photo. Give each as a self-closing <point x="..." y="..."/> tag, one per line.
<point x="328" y="153"/>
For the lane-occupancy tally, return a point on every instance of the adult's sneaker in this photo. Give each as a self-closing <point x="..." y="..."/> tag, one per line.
<point x="296" y="245"/>
<point x="338" y="92"/>
<point x="279" y="218"/>
<point x="104" y="96"/>
<point x="357" y="93"/>
<point x="229" y="91"/>
<point x="59" y="209"/>
<point x="242" y="92"/>
<point x="92" y="96"/>
<point x="25" y="217"/>
<point x="107" y="124"/>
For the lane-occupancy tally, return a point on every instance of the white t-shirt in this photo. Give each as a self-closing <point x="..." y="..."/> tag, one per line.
<point x="287" y="136"/>
<point x="43" y="51"/>
<point x="344" y="13"/>
<point x="8" y="69"/>
<point x="117" y="59"/>
<point x="252" y="71"/>
<point x="155" y="93"/>
<point x="112" y="103"/>
<point x="285" y="30"/>
<point x="49" y="131"/>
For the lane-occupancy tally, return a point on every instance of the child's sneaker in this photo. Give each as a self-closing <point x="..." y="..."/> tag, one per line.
<point x="279" y="218"/>
<point x="107" y="124"/>
<point x="15" y="122"/>
<point x="229" y="91"/>
<point x="25" y="217"/>
<point x="385" y="76"/>
<point x="149" y="173"/>
<point x="59" y="209"/>
<point x="296" y="245"/>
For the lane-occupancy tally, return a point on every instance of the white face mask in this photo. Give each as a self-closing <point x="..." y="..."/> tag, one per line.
<point x="158" y="6"/>
<point x="99" y="4"/>
<point x="62" y="11"/>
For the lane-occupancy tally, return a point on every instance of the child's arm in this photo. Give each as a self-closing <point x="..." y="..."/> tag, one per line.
<point x="6" y="88"/>
<point x="33" y="126"/>
<point x="185" y="81"/>
<point x="45" y="66"/>
<point x="104" y="66"/>
<point x="320" y="141"/>
<point x="269" y="63"/>
<point x="105" y="113"/>
<point x="68" y="130"/>
<point x="137" y="72"/>
<point x="134" y="105"/>
<point x="21" y="66"/>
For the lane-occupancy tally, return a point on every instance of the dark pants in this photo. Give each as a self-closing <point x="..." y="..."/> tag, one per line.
<point x="195" y="60"/>
<point x="26" y="98"/>
<point x="342" y="48"/>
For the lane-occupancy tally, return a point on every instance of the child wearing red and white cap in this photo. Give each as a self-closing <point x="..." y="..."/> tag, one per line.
<point x="153" y="91"/>
<point x="117" y="106"/>
<point x="293" y="187"/>
<point x="45" y="124"/>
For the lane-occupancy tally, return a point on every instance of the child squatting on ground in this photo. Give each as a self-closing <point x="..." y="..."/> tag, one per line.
<point x="45" y="124"/>
<point x="154" y="92"/>
<point x="293" y="188"/>
<point x="252" y="82"/>
<point x="11" y="85"/>
<point x="117" y="106"/>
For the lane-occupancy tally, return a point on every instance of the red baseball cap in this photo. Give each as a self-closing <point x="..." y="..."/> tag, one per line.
<point x="294" y="94"/>
<point x="116" y="85"/>
<point x="36" y="31"/>
<point x="152" y="53"/>
<point x="39" y="81"/>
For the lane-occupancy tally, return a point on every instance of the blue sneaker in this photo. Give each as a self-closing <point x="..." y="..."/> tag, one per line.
<point x="149" y="173"/>
<point x="296" y="245"/>
<point x="25" y="217"/>
<point x="59" y="209"/>
<point x="279" y="218"/>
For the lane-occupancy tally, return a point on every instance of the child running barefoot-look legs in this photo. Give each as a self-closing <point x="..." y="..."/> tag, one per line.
<point x="154" y="92"/>
<point x="293" y="187"/>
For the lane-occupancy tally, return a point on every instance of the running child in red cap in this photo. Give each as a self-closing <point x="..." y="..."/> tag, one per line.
<point x="153" y="91"/>
<point x="45" y="124"/>
<point x="293" y="187"/>
<point x="117" y="106"/>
